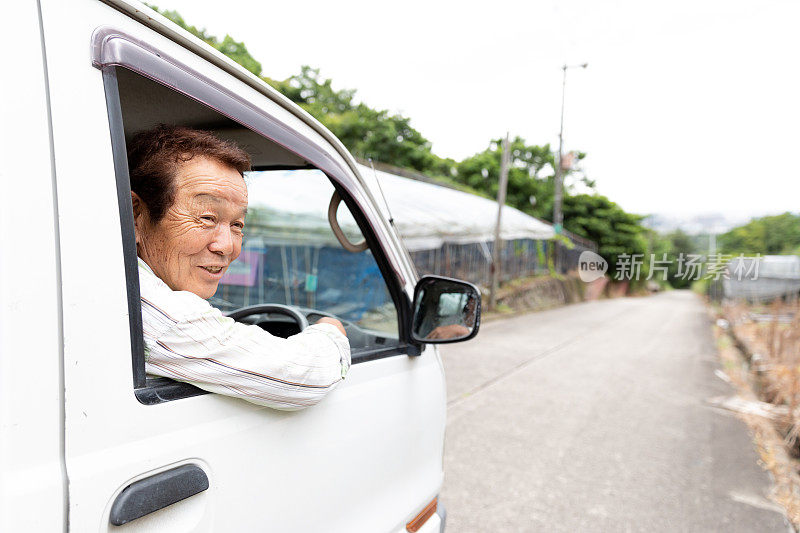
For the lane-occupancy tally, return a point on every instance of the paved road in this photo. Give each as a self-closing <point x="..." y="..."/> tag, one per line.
<point x="593" y="417"/>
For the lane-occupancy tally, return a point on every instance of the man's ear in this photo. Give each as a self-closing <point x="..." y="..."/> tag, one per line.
<point x="139" y="214"/>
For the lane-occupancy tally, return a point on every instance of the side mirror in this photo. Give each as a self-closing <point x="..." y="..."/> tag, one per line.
<point x="445" y="310"/>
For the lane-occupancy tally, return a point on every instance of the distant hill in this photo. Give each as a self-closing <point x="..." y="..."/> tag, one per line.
<point x="697" y="224"/>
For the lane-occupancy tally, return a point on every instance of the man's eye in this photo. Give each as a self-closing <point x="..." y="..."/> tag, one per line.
<point x="207" y="218"/>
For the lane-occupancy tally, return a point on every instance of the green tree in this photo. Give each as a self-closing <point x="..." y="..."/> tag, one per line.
<point x="530" y="175"/>
<point x="777" y="234"/>
<point x="366" y="132"/>
<point x="674" y="248"/>
<point x="615" y="231"/>
<point x="680" y="243"/>
<point x="234" y="49"/>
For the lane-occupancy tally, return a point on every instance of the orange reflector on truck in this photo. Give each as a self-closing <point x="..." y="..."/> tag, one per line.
<point x="422" y="517"/>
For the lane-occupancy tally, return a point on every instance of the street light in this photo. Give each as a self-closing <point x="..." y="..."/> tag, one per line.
<point x="558" y="216"/>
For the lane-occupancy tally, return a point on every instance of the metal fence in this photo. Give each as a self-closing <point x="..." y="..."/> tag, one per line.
<point x="519" y="258"/>
<point x="568" y="255"/>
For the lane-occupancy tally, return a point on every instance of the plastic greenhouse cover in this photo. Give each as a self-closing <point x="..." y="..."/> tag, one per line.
<point x="772" y="277"/>
<point x="769" y="266"/>
<point x="425" y="215"/>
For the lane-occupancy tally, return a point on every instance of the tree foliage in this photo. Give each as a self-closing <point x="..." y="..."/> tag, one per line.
<point x="366" y="132"/>
<point x="615" y="231"/>
<point x="680" y="243"/>
<point x="530" y="182"/>
<point x="672" y="246"/>
<point x="778" y="234"/>
<point x="236" y="50"/>
<point x="530" y="176"/>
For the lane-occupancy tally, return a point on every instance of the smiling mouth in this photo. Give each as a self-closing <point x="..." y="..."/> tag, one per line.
<point x="212" y="270"/>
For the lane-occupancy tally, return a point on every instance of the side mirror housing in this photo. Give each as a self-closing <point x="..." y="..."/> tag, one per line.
<point x="445" y="310"/>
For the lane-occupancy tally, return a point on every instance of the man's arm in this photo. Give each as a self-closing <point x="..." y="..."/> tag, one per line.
<point x="188" y="340"/>
<point x="449" y="332"/>
<point x="333" y="321"/>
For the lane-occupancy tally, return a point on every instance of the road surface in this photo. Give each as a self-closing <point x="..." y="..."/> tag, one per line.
<point x="594" y="417"/>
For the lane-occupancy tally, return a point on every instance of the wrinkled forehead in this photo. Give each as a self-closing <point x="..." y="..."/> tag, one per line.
<point x="220" y="201"/>
<point x="210" y="182"/>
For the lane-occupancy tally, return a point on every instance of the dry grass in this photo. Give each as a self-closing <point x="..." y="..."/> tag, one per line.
<point x="770" y="446"/>
<point x="761" y="356"/>
<point x="770" y="337"/>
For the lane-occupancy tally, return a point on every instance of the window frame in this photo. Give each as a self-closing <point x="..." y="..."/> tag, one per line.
<point x="112" y="49"/>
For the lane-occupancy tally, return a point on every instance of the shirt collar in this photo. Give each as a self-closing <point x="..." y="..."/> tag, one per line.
<point x="145" y="266"/>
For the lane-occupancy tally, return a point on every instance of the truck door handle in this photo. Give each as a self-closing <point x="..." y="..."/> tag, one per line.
<point x="152" y="493"/>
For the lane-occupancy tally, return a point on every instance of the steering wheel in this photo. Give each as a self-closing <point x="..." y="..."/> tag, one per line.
<point x="292" y="312"/>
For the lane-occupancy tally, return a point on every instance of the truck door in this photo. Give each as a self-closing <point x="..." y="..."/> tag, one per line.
<point x="32" y="481"/>
<point x="151" y="454"/>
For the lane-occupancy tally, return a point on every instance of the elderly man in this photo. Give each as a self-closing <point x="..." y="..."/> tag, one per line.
<point x="189" y="203"/>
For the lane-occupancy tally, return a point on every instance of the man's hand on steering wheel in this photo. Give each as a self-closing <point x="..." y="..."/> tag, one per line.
<point x="334" y="322"/>
<point x="288" y="310"/>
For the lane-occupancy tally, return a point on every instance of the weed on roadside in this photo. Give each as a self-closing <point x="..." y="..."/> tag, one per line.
<point x="759" y="349"/>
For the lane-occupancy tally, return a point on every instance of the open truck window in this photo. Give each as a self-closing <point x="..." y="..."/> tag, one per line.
<point x="290" y="256"/>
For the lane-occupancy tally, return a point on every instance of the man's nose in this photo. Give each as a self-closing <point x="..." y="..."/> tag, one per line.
<point x="224" y="242"/>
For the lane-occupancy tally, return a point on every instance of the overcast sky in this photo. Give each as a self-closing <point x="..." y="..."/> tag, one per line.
<point x="686" y="107"/>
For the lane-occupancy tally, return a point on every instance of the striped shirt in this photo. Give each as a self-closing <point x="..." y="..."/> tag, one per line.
<point x="188" y="340"/>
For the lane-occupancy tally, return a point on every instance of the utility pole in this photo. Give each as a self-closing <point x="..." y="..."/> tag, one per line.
<point x="501" y="200"/>
<point x="558" y="216"/>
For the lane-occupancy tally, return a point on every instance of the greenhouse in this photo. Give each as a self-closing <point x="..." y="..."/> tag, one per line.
<point x="762" y="279"/>
<point x="290" y="254"/>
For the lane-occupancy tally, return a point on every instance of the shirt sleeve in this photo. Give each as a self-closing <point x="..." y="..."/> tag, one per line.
<point x="220" y="355"/>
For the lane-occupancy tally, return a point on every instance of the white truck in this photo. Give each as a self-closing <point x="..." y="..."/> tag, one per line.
<point x="88" y="441"/>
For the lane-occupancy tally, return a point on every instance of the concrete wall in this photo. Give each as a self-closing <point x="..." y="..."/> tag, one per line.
<point x="546" y="292"/>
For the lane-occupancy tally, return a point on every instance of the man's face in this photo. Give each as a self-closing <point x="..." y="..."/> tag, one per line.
<point x="201" y="233"/>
